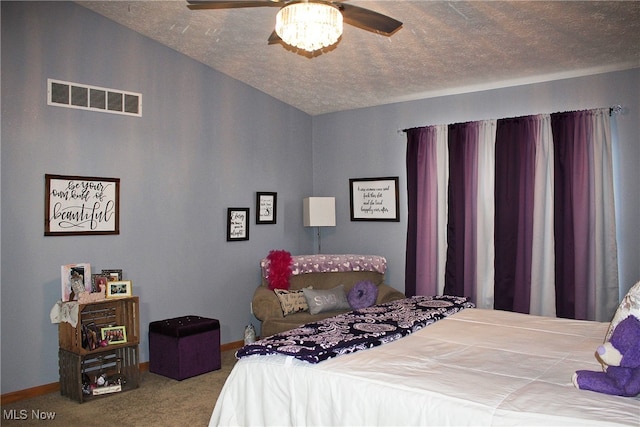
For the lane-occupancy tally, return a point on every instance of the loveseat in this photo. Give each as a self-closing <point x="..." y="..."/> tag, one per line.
<point x="320" y="273"/>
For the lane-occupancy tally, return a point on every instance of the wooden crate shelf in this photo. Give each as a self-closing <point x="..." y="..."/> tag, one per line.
<point x="73" y="365"/>
<point x="110" y="312"/>
<point x="76" y="360"/>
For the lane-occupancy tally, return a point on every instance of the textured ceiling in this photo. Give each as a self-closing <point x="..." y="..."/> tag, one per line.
<point x="442" y="47"/>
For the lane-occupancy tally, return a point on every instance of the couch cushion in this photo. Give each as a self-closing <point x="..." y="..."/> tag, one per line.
<point x="331" y="280"/>
<point x="323" y="300"/>
<point x="291" y="301"/>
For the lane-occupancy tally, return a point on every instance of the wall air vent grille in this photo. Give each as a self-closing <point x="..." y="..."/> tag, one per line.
<point x="94" y="98"/>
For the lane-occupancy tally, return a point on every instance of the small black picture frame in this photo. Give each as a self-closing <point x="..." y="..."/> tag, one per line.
<point x="237" y="224"/>
<point x="113" y="274"/>
<point x="266" y="207"/>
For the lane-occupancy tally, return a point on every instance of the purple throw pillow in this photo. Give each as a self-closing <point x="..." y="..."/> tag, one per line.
<point x="362" y="295"/>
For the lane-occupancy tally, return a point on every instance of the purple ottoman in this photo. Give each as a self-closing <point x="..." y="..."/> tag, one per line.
<point x="184" y="347"/>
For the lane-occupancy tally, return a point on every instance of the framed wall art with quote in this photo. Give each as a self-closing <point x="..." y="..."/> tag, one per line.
<point x="80" y="205"/>
<point x="374" y="199"/>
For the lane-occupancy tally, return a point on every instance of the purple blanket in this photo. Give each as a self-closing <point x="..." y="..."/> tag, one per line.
<point x="358" y="330"/>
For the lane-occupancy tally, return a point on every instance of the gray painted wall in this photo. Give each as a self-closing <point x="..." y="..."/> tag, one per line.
<point x="367" y="143"/>
<point x="206" y="142"/>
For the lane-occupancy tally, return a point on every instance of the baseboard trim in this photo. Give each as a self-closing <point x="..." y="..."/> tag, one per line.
<point x="16" y="396"/>
<point x="231" y="345"/>
<point x="28" y="393"/>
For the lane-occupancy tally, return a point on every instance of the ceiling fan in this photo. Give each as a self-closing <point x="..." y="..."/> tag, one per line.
<point x="353" y="15"/>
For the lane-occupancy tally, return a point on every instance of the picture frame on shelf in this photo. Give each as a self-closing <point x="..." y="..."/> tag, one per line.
<point x="374" y="199"/>
<point x="114" y="334"/>
<point x="81" y="205"/>
<point x="113" y="274"/>
<point x="237" y="224"/>
<point x="98" y="279"/>
<point x="266" y="207"/>
<point x="119" y="289"/>
<point x="75" y="279"/>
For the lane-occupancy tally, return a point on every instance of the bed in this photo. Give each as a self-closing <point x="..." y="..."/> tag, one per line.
<point x="472" y="367"/>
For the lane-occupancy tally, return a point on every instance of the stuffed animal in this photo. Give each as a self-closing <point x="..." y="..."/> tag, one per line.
<point x="621" y="354"/>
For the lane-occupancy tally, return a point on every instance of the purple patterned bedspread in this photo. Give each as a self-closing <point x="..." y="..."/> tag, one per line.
<point x="302" y="264"/>
<point x="357" y="330"/>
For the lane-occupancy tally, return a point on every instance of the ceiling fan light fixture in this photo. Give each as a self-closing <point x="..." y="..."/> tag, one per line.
<point x="309" y="26"/>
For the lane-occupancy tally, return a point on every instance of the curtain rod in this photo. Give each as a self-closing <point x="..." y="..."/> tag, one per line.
<point x="614" y="109"/>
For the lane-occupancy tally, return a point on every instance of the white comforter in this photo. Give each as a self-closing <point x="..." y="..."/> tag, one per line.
<point x="477" y="367"/>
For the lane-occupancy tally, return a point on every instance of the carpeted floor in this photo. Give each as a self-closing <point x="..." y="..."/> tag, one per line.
<point x="159" y="401"/>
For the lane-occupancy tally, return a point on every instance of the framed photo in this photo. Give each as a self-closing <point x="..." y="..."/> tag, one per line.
<point x="237" y="224"/>
<point x="374" y="199"/>
<point x="76" y="278"/>
<point x="98" y="279"/>
<point x="266" y="205"/>
<point x="114" y="334"/>
<point x="112" y="275"/>
<point x="119" y="289"/>
<point x="81" y="205"/>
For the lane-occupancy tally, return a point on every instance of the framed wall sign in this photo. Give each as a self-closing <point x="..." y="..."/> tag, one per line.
<point x="77" y="205"/>
<point x="237" y="224"/>
<point x="374" y="199"/>
<point x="266" y="205"/>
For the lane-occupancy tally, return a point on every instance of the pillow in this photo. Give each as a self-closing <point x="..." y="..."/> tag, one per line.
<point x="630" y="306"/>
<point x="363" y="295"/>
<point x="321" y="301"/>
<point x="291" y="301"/>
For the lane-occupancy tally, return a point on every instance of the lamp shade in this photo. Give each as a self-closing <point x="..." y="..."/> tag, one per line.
<point x="319" y="211"/>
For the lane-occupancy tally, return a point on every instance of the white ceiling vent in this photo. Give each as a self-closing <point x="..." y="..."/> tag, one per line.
<point x="85" y="97"/>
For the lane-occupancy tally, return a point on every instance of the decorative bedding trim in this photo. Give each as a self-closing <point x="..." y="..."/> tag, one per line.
<point x="358" y="330"/>
<point x="331" y="263"/>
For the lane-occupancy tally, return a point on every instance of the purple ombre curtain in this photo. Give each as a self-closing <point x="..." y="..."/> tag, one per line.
<point x="421" y="272"/>
<point x="460" y="272"/>
<point x="528" y="213"/>
<point x="469" y="263"/>
<point x="514" y="195"/>
<point x="571" y="200"/>
<point x="586" y="274"/>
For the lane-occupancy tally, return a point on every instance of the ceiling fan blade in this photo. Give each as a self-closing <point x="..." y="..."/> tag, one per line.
<point x="368" y="19"/>
<point x="231" y="4"/>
